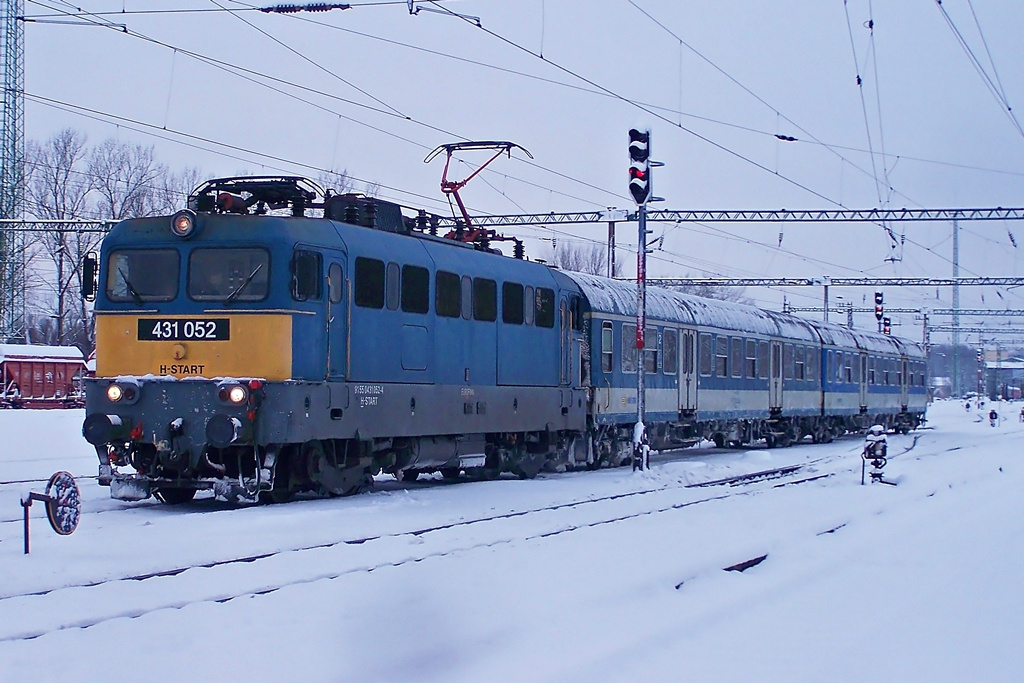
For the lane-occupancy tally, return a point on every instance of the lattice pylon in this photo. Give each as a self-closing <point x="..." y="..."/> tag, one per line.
<point x="12" y="170"/>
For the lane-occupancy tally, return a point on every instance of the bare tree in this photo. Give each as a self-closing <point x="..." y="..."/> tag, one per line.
<point x="575" y="257"/>
<point x="66" y="180"/>
<point x="338" y="182"/>
<point x="58" y="187"/>
<point x="174" y="189"/>
<point x="126" y="179"/>
<point x="715" y="292"/>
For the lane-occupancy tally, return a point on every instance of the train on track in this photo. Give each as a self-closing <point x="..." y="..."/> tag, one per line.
<point x="263" y="355"/>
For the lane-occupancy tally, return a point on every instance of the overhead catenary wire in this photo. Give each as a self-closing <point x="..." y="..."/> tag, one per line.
<point x="637" y="105"/>
<point x="995" y="89"/>
<point x="256" y="76"/>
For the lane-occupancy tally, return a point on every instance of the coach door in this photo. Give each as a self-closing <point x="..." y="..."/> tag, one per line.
<point x="863" y="380"/>
<point x="775" y="378"/>
<point x="565" y="336"/>
<point x="687" y="371"/>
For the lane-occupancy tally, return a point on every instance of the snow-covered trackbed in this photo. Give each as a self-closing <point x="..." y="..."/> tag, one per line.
<point x="606" y="575"/>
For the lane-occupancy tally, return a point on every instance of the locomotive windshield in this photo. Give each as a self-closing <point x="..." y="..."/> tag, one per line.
<point x="228" y="275"/>
<point x="140" y="275"/>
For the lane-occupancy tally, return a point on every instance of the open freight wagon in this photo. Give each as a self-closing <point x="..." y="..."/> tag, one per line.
<point x="41" y="376"/>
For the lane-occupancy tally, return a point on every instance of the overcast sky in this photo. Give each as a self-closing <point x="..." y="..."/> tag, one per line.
<point x="372" y="89"/>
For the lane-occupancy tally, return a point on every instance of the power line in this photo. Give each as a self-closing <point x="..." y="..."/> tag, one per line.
<point x="996" y="92"/>
<point x="255" y="76"/>
<point x="637" y="105"/>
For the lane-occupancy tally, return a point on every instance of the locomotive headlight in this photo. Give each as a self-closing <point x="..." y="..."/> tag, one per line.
<point x="183" y="223"/>
<point x="124" y="390"/>
<point x="233" y="393"/>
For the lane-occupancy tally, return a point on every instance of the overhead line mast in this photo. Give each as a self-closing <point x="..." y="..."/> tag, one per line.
<point x="12" y="171"/>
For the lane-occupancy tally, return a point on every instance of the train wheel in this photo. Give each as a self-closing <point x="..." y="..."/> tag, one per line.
<point x="175" y="496"/>
<point x="450" y="473"/>
<point x="719" y="440"/>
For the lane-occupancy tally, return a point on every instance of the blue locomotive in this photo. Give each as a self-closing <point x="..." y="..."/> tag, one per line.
<point x="247" y="348"/>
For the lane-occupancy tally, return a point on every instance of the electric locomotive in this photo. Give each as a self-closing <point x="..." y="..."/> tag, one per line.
<point x="261" y="355"/>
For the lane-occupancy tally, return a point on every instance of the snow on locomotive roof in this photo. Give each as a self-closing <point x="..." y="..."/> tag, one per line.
<point x="619" y="297"/>
<point x="40" y="352"/>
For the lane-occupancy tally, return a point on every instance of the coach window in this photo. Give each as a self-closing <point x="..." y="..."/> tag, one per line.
<point x="448" y="294"/>
<point x="139" y="275"/>
<point x="885" y="371"/>
<point x="529" y="305"/>
<point x="545" y="307"/>
<point x="762" y="359"/>
<point x="392" y="288"/>
<point x="511" y="303"/>
<point x="751" y="359"/>
<point x="798" y="363"/>
<point x="606" y="346"/>
<point x="721" y="356"/>
<point x="670" y="351"/>
<point x="415" y="289"/>
<point x="651" y="350"/>
<point x="811" y="364"/>
<point x="369" y="286"/>
<point x="628" y="348"/>
<point x="705" y="355"/>
<point x="848" y="368"/>
<point x="856" y="369"/>
<point x="336" y="283"/>
<point x="736" y="356"/>
<point x="306" y="275"/>
<point x="871" y="370"/>
<point x="787" y="361"/>
<point x="838" y="376"/>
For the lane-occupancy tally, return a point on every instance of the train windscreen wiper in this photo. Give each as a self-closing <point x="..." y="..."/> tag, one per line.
<point x="131" y="288"/>
<point x="242" y="285"/>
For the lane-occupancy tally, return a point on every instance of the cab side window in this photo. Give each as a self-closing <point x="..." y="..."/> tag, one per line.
<point x="306" y="270"/>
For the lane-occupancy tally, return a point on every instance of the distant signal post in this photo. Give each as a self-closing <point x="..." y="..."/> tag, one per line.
<point x="640" y="187"/>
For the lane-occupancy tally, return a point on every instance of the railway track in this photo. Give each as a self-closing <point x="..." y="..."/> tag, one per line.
<point x="402" y="548"/>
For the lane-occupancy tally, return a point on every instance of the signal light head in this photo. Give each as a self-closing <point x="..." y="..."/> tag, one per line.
<point x="114" y="393"/>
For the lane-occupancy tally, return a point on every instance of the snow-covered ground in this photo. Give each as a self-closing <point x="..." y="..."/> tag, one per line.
<point x="601" y="576"/>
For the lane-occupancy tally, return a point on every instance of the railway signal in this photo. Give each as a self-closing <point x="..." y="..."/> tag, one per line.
<point x="878" y="305"/>
<point x="886" y="326"/>
<point x="63" y="505"/>
<point x="640" y="165"/>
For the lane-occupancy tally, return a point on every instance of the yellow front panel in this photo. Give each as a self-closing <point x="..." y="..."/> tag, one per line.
<point x="260" y="345"/>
